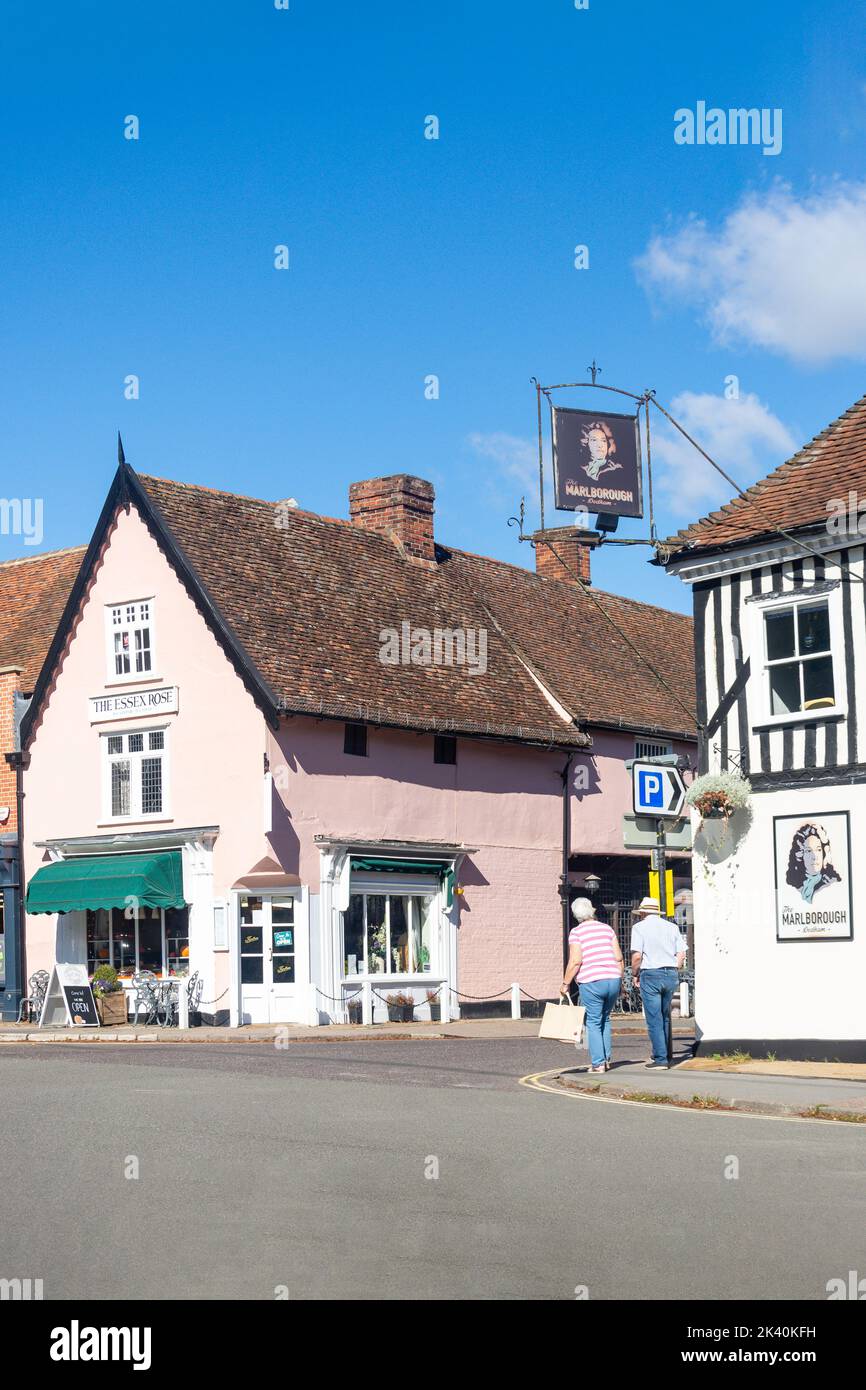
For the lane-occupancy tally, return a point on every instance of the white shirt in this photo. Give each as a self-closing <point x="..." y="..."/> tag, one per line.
<point x="658" y="941"/>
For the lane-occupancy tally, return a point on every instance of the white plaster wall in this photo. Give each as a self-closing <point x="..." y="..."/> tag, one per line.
<point x="748" y="984"/>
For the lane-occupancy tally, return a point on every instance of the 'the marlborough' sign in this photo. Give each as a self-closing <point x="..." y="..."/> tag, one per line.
<point x="129" y="703"/>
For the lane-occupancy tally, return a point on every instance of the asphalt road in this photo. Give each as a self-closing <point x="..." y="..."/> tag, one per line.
<point x="308" y="1168"/>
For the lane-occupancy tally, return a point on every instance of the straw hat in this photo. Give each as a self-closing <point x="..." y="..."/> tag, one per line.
<point x="648" y="905"/>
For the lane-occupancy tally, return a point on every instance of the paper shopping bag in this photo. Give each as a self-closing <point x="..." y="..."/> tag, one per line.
<point x="563" y="1020"/>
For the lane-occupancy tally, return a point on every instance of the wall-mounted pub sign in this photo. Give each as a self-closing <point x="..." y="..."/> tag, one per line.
<point x="129" y="704"/>
<point x="813" y="877"/>
<point x="596" y="462"/>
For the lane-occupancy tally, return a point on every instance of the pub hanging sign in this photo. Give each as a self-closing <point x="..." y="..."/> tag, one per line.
<point x="596" y="462"/>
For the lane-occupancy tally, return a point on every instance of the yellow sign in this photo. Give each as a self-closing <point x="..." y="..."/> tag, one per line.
<point x="654" y="890"/>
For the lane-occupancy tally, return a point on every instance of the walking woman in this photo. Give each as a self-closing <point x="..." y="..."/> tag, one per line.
<point x="595" y="960"/>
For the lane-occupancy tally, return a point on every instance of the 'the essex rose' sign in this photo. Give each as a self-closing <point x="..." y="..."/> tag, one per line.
<point x="130" y="703"/>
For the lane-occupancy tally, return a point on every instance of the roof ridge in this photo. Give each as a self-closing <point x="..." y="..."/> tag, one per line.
<point x="42" y="555"/>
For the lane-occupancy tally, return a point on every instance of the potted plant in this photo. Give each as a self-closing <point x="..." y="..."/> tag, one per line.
<point x="356" y="1009"/>
<point x="401" y="1008"/>
<point x="109" y="995"/>
<point x="716" y="795"/>
<point x="435" y="1005"/>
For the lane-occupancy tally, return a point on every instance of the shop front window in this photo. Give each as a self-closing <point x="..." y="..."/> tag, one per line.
<point x="143" y="938"/>
<point x="389" y="933"/>
<point x="2" y="941"/>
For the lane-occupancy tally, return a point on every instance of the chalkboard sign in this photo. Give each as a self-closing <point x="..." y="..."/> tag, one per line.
<point x="80" y="1006"/>
<point x="69" y="999"/>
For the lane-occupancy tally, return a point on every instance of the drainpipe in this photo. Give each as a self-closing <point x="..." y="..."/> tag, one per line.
<point x="13" y="989"/>
<point x="566" y="854"/>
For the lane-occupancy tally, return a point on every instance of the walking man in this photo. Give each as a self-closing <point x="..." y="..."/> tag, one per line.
<point x="657" y="954"/>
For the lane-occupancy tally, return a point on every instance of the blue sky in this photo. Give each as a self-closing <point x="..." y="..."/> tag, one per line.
<point x="411" y="257"/>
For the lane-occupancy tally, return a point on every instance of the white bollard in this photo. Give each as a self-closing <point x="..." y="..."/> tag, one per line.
<point x="515" y="1000"/>
<point x="684" y="998"/>
<point x="367" y="1003"/>
<point x="182" y="1004"/>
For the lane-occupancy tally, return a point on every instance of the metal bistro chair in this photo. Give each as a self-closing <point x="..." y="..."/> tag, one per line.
<point x="36" y="998"/>
<point x="146" y="997"/>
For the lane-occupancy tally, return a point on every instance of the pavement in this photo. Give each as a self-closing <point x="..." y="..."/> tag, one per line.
<point x="183" y="1171"/>
<point x="291" y="1032"/>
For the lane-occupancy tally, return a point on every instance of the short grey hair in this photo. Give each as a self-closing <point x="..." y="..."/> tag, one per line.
<point x="582" y="910"/>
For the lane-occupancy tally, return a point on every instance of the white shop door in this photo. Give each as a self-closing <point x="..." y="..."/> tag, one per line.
<point x="274" y="960"/>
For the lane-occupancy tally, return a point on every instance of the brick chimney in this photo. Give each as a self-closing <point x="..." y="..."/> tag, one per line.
<point x="573" y="544"/>
<point x="10" y="681"/>
<point x="400" y="507"/>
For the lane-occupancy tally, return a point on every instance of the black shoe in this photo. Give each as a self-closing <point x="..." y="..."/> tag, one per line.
<point x="657" y="1066"/>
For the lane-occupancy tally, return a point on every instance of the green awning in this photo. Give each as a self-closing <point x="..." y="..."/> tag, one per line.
<point x="375" y="864"/>
<point x="108" y="880"/>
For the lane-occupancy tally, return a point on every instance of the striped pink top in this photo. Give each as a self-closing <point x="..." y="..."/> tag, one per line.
<point x="596" y="941"/>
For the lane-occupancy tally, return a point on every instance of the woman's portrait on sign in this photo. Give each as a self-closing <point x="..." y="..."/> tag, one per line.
<point x="810" y="863"/>
<point x="597" y="439"/>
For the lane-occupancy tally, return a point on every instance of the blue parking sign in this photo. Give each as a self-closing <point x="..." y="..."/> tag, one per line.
<point x="658" y="790"/>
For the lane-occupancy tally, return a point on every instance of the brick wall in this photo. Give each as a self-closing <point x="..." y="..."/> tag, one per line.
<point x="10" y="681"/>
<point x="400" y="506"/>
<point x="573" y="544"/>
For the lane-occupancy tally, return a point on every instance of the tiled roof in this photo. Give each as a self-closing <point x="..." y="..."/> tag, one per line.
<point x="794" y="495"/>
<point x="33" y="593"/>
<point x="585" y="660"/>
<point x="307" y="598"/>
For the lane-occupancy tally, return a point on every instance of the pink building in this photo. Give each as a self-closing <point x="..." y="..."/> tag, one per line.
<point x="316" y="761"/>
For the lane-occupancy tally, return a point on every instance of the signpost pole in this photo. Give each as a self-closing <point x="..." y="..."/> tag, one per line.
<point x="661" y="869"/>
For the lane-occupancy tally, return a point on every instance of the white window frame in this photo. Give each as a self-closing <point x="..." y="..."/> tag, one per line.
<point x="131" y="622"/>
<point x="798" y="599"/>
<point x="366" y="887"/>
<point x="135" y="812"/>
<point x="136" y="911"/>
<point x="662" y="748"/>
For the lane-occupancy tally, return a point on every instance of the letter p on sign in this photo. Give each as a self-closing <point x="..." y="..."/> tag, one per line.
<point x="651" y="789"/>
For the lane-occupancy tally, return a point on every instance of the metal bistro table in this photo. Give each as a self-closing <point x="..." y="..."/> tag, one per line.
<point x="165" y="989"/>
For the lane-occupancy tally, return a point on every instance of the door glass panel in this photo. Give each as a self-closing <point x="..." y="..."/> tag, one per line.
<point x="376" y="932"/>
<point x="399" y="923"/>
<point x="283" y="933"/>
<point x="252" y="942"/>
<point x="353" y="936"/>
<point x="283" y="969"/>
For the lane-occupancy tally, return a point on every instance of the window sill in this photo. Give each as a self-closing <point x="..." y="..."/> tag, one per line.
<point x="378" y="977"/>
<point x="134" y="820"/>
<point x="122" y="681"/>
<point x="806" y="716"/>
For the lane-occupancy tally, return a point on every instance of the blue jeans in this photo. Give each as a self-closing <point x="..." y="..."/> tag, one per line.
<point x="657" y="990"/>
<point x="598" y="998"/>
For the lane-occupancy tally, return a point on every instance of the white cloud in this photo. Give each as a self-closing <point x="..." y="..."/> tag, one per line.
<point x="743" y="436"/>
<point x="517" y="458"/>
<point x="781" y="273"/>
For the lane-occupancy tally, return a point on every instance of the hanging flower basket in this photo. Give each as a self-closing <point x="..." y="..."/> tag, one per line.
<point x="716" y="795"/>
